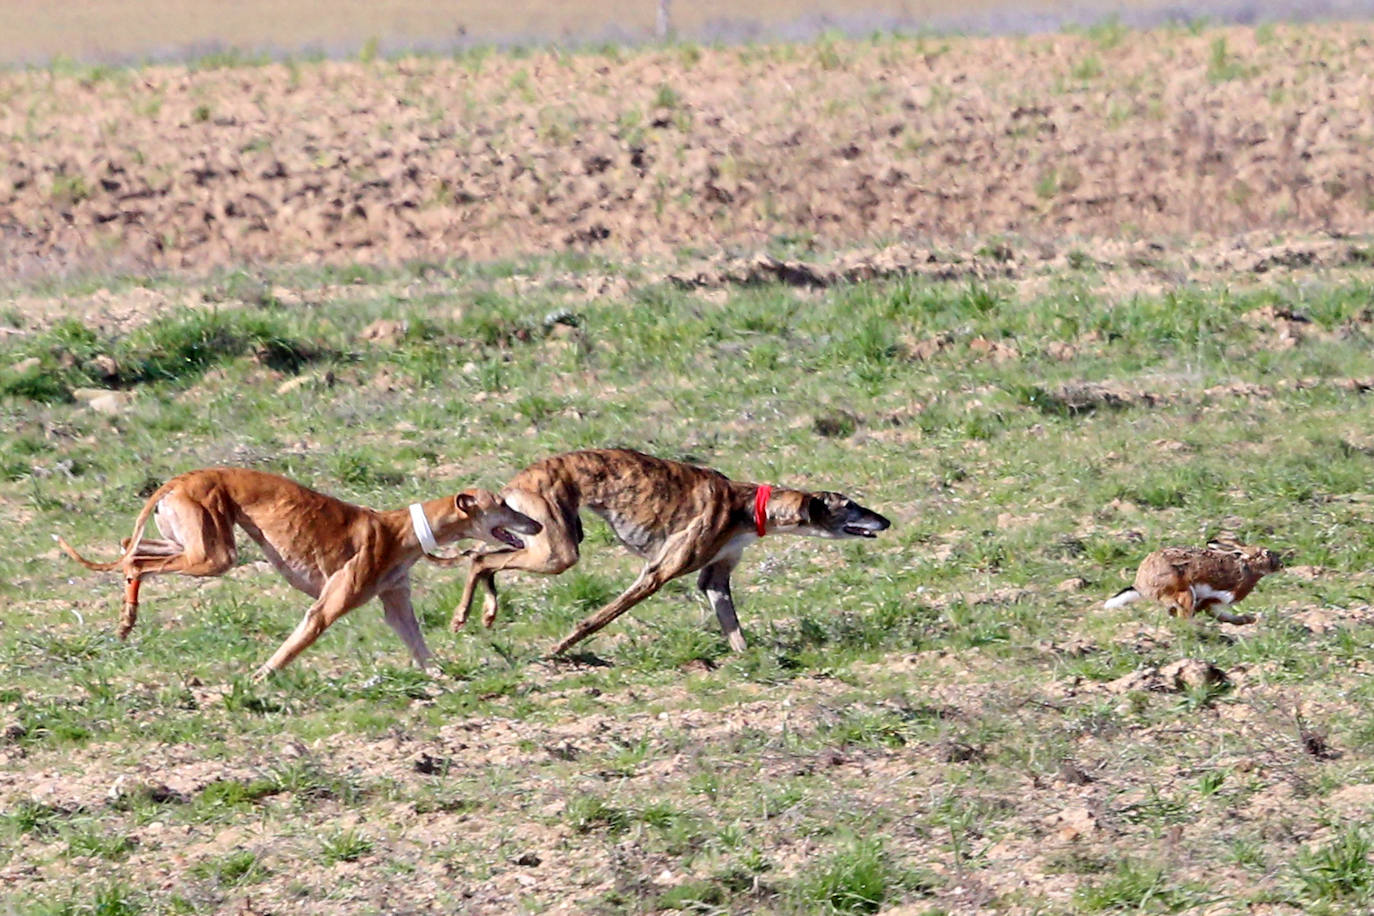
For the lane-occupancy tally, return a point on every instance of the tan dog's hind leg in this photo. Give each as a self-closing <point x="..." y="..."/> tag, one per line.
<point x="128" y="614"/>
<point x="203" y="546"/>
<point x="155" y="548"/>
<point x="715" y="582"/>
<point x="400" y="616"/>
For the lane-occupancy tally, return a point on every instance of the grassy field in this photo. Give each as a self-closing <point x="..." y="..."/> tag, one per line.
<point x="940" y="721"/>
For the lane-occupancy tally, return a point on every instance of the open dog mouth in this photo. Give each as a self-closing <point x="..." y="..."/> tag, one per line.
<point x="506" y="537"/>
<point x="856" y="531"/>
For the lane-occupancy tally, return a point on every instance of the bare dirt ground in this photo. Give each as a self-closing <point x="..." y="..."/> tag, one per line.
<point x="1098" y="807"/>
<point x="1160" y="135"/>
<point x="111" y="30"/>
<point x="108" y="28"/>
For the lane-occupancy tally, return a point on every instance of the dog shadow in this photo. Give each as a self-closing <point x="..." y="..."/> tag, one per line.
<point x="577" y="660"/>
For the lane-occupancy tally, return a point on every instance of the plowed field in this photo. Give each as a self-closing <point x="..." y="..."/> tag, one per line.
<point x="1163" y="135"/>
<point x="97" y="29"/>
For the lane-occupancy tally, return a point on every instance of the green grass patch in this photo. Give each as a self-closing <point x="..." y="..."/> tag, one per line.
<point x="1338" y="872"/>
<point x="906" y="704"/>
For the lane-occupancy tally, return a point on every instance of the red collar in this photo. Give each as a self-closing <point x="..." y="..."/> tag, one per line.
<point x="761" y="496"/>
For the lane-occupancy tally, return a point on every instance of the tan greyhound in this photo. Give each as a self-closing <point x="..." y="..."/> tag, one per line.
<point x="340" y="554"/>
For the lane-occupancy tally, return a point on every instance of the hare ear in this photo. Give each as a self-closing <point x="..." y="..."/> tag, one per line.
<point x="465" y="503"/>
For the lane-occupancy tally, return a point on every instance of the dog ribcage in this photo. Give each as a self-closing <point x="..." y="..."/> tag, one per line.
<point x="301" y="573"/>
<point x="638" y="537"/>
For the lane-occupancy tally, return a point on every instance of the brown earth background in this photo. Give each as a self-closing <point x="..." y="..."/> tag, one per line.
<point x="114" y="30"/>
<point x="1166" y="135"/>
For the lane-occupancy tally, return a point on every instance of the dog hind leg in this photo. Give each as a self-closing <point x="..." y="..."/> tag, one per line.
<point x="675" y="558"/>
<point x="157" y="548"/>
<point x="206" y="542"/>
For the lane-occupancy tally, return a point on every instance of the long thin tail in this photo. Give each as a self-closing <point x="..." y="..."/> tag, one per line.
<point x="1122" y="598"/>
<point x="139" y="524"/>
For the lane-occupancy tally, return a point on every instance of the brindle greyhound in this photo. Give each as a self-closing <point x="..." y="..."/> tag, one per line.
<point x="679" y="517"/>
<point x="337" y="553"/>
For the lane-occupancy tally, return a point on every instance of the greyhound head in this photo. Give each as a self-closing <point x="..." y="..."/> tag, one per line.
<point x="487" y="516"/>
<point x="834" y="515"/>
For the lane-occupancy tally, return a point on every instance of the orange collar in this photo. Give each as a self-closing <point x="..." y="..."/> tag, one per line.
<point x="761" y="496"/>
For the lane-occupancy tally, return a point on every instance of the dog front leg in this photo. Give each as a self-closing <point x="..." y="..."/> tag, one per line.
<point x="714" y="581"/>
<point x="341" y="593"/>
<point x="400" y="616"/>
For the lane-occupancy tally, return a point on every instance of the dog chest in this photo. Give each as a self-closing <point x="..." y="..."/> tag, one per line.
<point x="732" y="548"/>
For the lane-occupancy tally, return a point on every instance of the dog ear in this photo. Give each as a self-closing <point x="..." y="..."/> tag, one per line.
<point x="813" y="508"/>
<point x="465" y="503"/>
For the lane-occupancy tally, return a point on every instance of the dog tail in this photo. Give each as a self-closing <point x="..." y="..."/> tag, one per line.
<point x="1122" y="598"/>
<point x="139" y="524"/>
